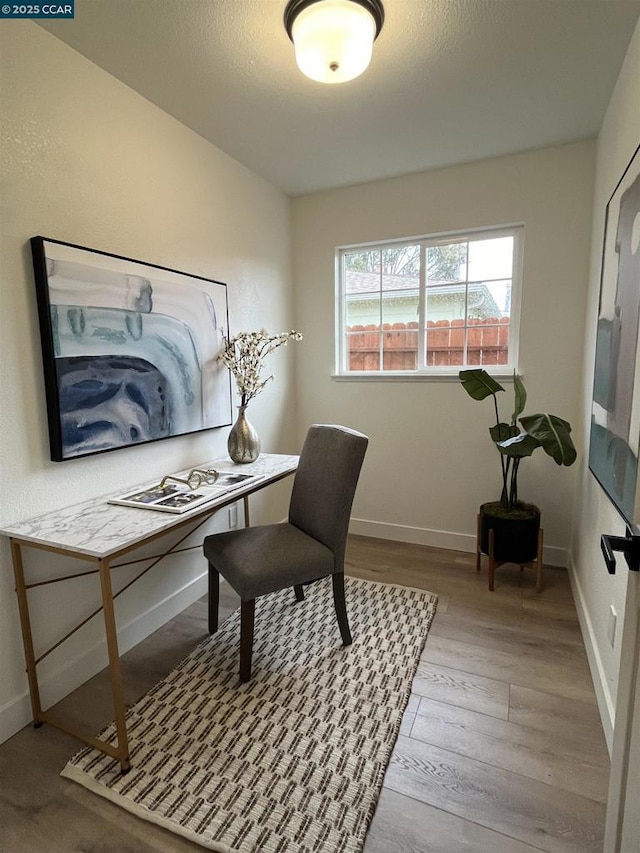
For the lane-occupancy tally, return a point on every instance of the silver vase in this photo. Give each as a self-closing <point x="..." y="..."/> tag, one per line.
<point x="243" y="443"/>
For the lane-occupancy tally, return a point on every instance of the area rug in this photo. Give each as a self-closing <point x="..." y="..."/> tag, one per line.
<point x="292" y="761"/>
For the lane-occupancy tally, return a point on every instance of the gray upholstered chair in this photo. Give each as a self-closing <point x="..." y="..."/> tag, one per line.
<point x="309" y="546"/>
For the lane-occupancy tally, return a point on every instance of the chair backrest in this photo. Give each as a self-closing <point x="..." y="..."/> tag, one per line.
<point x="325" y="485"/>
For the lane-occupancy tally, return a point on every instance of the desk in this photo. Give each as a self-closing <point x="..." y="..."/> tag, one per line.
<point x="100" y="533"/>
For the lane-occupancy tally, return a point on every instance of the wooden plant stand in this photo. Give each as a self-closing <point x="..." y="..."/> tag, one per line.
<point x="494" y="564"/>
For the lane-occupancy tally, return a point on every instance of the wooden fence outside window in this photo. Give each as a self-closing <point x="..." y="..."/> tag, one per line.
<point x="487" y="344"/>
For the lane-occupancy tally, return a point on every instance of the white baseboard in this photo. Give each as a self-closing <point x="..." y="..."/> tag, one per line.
<point x="606" y="705"/>
<point x="439" y="538"/>
<point x="16" y="713"/>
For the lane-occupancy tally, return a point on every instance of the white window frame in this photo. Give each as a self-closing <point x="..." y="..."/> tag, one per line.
<point x="425" y="241"/>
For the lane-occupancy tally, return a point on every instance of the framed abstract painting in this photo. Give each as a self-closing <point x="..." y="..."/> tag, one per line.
<point x="615" y="411"/>
<point x="129" y="350"/>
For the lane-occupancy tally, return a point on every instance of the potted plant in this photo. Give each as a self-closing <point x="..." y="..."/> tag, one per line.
<point x="515" y="524"/>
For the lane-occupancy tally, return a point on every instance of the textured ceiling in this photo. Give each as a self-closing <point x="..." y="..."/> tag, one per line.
<point x="450" y="81"/>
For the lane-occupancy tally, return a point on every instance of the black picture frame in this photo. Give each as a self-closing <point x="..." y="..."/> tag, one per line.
<point x="129" y="349"/>
<point x="615" y="410"/>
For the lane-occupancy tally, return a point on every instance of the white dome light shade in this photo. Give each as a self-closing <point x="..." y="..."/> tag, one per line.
<point x="333" y="40"/>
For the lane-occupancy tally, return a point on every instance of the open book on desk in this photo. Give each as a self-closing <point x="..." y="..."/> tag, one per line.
<point x="179" y="496"/>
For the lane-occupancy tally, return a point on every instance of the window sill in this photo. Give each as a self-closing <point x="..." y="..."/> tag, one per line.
<point x="371" y="376"/>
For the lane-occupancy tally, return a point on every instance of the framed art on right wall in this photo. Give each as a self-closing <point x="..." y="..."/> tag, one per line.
<point x="615" y="409"/>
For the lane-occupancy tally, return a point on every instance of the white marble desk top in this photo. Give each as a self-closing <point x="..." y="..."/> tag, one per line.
<point x="98" y="529"/>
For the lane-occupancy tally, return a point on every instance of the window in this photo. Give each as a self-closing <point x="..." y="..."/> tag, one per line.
<point x="431" y="305"/>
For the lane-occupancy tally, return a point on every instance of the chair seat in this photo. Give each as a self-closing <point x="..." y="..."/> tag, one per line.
<point x="267" y="558"/>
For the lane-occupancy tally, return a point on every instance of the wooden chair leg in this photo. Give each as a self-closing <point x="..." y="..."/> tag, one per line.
<point x="247" y="620"/>
<point x="492" y="563"/>
<point x="539" y="561"/>
<point x="214" y="598"/>
<point x="299" y="591"/>
<point x="341" y="607"/>
<point x="478" y="546"/>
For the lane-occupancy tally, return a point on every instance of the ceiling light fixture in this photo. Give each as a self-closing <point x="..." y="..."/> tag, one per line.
<point x="333" y="39"/>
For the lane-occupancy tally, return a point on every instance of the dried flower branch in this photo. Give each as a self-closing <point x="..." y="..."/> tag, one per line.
<point x="244" y="355"/>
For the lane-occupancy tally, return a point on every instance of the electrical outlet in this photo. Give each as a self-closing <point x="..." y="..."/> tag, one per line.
<point x="611" y="626"/>
<point x="233" y="516"/>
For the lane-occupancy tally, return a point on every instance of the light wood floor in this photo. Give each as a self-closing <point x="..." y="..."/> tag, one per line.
<point x="501" y="749"/>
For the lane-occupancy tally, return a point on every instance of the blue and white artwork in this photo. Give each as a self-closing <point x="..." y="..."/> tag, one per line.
<point x="615" y="410"/>
<point x="129" y="349"/>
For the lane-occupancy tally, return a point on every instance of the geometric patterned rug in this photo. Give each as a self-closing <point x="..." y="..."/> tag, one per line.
<point x="292" y="761"/>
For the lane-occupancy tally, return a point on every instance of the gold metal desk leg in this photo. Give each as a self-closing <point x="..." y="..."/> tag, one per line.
<point x="114" y="666"/>
<point x="538" y="563"/>
<point x="27" y="637"/>
<point x="247" y="522"/>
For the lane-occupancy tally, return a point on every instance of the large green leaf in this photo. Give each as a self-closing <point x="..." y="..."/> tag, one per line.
<point x="520" y="445"/>
<point x="553" y="434"/>
<point x="501" y="432"/>
<point x="478" y="384"/>
<point x="520" y="395"/>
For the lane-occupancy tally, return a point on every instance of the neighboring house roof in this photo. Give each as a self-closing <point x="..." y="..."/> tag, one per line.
<point x="367" y="284"/>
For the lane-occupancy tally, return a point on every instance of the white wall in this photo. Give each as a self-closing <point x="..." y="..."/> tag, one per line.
<point x="430" y="461"/>
<point x="86" y="160"/>
<point x="595" y="591"/>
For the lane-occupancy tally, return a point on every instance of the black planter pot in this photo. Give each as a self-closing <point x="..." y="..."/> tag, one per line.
<point x="515" y="538"/>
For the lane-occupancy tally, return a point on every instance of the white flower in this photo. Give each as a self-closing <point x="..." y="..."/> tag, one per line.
<point x="244" y="356"/>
